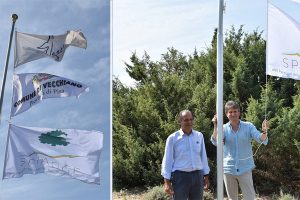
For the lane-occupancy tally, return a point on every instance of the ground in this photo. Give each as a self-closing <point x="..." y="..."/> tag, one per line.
<point x="134" y="194"/>
<point x="137" y="194"/>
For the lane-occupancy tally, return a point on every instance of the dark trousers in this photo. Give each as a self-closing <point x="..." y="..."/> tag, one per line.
<point x="187" y="185"/>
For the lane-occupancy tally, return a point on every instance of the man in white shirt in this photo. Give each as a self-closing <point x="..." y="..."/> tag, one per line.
<point x="185" y="168"/>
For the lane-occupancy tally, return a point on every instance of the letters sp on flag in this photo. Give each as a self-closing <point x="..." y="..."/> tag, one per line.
<point x="283" y="44"/>
<point x="31" y="47"/>
<point x="30" y="88"/>
<point x="67" y="153"/>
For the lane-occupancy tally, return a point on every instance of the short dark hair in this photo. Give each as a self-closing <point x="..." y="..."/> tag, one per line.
<point x="231" y="105"/>
<point x="180" y="115"/>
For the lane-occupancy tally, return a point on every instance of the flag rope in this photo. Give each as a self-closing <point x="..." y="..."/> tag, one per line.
<point x="254" y="153"/>
<point x="266" y="97"/>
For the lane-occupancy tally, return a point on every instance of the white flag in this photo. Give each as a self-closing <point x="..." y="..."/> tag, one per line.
<point x="31" y="47"/>
<point x="296" y="1"/>
<point x="283" y="44"/>
<point x="62" y="152"/>
<point x="30" y="88"/>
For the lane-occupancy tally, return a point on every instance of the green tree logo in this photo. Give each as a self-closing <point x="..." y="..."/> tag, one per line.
<point x="54" y="138"/>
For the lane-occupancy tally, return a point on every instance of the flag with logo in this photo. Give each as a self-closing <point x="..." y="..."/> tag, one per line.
<point x="31" y="47"/>
<point x="283" y="44"/>
<point x="30" y="88"/>
<point x="62" y="152"/>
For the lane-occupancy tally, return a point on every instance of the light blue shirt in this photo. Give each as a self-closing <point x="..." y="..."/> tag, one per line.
<point x="238" y="155"/>
<point x="185" y="153"/>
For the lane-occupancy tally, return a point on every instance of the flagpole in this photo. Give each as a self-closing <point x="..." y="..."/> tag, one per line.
<point x="6" y="148"/>
<point x="14" y="19"/>
<point x="220" y="103"/>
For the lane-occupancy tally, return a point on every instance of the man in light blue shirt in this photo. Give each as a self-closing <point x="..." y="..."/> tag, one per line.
<point x="185" y="168"/>
<point x="238" y="160"/>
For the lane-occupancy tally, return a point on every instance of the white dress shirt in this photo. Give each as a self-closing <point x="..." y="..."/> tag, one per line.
<point x="185" y="153"/>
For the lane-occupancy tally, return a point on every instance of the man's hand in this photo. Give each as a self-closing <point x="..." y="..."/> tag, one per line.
<point x="215" y="133"/>
<point x="205" y="182"/>
<point x="168" y="187"/>
<point x="214" y="120"/>
<point x="265" y="126"/>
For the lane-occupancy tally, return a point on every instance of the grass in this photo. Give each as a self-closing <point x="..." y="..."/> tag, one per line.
<point x="158" y="193"/>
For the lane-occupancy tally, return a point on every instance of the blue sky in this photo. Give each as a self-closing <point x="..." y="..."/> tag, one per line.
<point x="153" y="26"/>
<point x="91" y="111"/>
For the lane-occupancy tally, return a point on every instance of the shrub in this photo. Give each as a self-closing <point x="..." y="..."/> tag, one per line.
<point x="286" y="196"/>
<point x="158" y="193"/>
<point x="208" y="196"/>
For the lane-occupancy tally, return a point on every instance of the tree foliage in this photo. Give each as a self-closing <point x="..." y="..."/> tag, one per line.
<point x="145" y="114"/>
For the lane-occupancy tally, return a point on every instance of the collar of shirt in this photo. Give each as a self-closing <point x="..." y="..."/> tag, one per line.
<point x="239" y="125"/>
<point x="181" y="133"/>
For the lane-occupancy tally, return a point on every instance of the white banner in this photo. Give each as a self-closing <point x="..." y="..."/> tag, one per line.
<point x="283" y="44"/>
<point x="31" y="47"/>
<point x="62" y="152"/>
<point x="30" y="88"/>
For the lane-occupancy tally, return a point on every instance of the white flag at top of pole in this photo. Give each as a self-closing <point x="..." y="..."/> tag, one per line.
<point x="67" y="153"/>
<point x="30" y="88"/>
<point x="283" y="44"/>
<point x="31" y="47"/>
<point x="296" y="1"/>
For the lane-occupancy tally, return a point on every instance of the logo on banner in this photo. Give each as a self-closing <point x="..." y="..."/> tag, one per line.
<point x="37" y="79"/>
<point x="291" y="60"/>
<point x="54" y="138"/>
<point x="47" y="48"/>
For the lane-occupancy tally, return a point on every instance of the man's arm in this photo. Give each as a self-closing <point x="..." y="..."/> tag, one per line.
<point x="215" y="133"/>
<point x="204" y="159"/>
<point x="167" y="164"/>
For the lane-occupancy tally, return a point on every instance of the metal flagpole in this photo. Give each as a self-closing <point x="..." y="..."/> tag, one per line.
<point x="219" y="106"/>
<point x="14" y="19"/>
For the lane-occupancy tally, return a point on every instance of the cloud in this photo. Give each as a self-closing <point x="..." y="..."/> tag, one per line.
<point x="150" y="22"/>
<point x="10" y="192"/>
<point x="154" y="26"/>
<point x="103" y="66"/>
<point x="87" y="5"/>
<point x="47" y="187"/>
